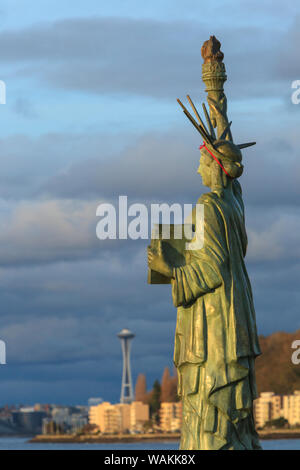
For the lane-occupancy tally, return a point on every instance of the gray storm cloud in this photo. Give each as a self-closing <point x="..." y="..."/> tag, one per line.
<point x="65" y="295"/>
<point x="148" y="57"/>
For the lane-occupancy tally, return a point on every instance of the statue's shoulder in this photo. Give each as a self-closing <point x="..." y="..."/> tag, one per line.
<point x="208" y="199"/>
<point x="212" y="207"/>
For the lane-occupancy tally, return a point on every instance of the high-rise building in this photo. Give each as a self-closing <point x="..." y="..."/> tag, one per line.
<point x="124" y="410"/>
<point x="291" y="408"/>
<point x="270" y="406"/>
<point x="106" y="416"/>
<point x="28" y="420"/>
<point x="120" y="417"/>
<point x="139" y="414"/>
<point x="263" y="408"/>
<point x="170" y="416"/>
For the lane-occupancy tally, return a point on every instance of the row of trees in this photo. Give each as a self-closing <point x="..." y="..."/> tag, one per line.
<point x="164" y="391"/>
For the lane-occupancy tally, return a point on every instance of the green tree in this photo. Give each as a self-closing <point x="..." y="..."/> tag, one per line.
<point x="155" y="400"/>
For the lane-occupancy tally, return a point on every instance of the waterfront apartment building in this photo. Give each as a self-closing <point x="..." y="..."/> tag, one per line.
<point x="139" y="414"/>
<point x="266" y="408"/>
<point x="270" y="406"/>
<point x="291" y="408"/>
<point x="170" y="416"/>
<point x="121" y="417"/>
<point x="106" y="417"/>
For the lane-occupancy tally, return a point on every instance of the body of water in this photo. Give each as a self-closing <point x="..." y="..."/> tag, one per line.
<point x="20" y="443"/>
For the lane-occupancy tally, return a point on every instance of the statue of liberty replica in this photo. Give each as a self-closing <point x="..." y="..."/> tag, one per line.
<point x="216" y="339"/>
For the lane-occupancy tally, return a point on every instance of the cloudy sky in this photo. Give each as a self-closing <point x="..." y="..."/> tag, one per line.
<point x="91" y="114"/>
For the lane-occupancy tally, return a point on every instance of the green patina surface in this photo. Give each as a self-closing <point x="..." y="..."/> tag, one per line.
<point x="216" y="340"/>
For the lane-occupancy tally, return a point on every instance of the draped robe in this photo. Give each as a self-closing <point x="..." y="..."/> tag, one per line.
<point x="216" y="338"/>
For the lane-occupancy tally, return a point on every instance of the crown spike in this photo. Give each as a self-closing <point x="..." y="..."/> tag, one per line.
<point x="199" y="128"/>
<point x="197" y="114"/>
<point x="247" y="144"/>
<point x="209" y="123"/>
<point x="224" y="133"/>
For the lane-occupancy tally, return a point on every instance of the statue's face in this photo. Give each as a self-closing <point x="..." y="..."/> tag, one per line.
<point x="205" y="171"/>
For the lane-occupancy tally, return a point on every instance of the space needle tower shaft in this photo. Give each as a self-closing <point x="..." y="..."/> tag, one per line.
<point x="125" y="337"/>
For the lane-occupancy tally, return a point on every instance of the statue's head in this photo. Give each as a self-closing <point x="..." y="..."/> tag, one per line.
<point x="221" y="159"/>
<point x="229" y="157"/>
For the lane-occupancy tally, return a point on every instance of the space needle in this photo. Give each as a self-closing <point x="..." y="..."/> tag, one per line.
<point x="126" y="336"/>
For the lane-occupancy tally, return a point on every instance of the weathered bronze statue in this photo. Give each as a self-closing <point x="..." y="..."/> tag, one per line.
<point x="216" y="340"/>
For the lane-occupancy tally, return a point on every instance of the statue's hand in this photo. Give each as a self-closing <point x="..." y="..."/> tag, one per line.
<point x="157" y="261"/>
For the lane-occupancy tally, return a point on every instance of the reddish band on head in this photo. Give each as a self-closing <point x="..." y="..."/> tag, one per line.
<point x="218" y="162"/>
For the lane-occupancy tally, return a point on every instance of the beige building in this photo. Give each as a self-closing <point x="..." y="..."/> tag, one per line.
<point x="106" y="417"/>
<point x="124" y="410"/>
<point x="170" y="415"/>
<point x="266" y="408"/>
<point x="270" y="406"/>
<point x="291" y="408"/>
<point x="139" y="414"/>
<point x="119" y="418"/>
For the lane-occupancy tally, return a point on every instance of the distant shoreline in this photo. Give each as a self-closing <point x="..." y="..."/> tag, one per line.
<point x="272" y="434"/>
<point x="125" y="438"/>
